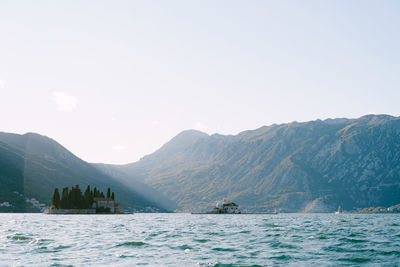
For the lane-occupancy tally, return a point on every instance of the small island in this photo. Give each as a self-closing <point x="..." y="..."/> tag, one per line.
<point x="90" y="202"/>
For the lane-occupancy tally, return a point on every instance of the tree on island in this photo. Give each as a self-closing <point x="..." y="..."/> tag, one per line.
<point x="74" y="199"/>
<point x="64" y="199"/>
<point x="55" y="200"/>
<point x="88" y="197"/>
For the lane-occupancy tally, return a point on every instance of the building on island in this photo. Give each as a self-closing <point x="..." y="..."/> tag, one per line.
<point x="226" y="207"/>
<point x="107" y="203"/>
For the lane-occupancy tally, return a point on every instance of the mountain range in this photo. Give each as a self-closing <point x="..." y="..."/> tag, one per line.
<point x="311" y="166"/>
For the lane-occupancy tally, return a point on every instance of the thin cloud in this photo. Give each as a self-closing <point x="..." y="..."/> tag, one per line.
<point x="2" y="84"/>
<point x="64" y="101"/>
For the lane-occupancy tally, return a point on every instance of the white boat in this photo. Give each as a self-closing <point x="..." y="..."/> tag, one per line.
<point x="339" y="211"/>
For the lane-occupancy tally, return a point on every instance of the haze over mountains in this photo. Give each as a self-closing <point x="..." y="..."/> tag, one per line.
<point x="31" y="166"/>
<point x="312" y="166"/>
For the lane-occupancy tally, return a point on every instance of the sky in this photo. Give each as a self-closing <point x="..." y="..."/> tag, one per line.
<point x="114" y="80"/>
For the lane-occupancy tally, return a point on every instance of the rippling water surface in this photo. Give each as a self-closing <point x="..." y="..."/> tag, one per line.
<point x="199" y="240"/>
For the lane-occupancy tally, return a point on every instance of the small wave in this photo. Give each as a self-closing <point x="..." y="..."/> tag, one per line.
<point x="278" y="244"/>
<point x="223" y="265"/>
<point x="354" y="235"/>
<point x="245" y="232"/>
<point x="271" y="225"/>
<point x="213" y="233"/>
<point x="394" y="252"/>
<point x="254" y="253"/>
<point x="185" y="247"/>
<point x="241" y="257"/>
<point x="224" y="249"/>
<point x="355" y="260"/>
<point x="46" y="250"/>
<point x="352" y="240"/>
<point x="62" y="247"/>
<point x="122" y="256"/>
<point x="158" y="233"/>
<point x="320" y="237"/>
<point x="173" y="235"/>
<point x="132" y="244"/>
<point x="282" y="257"/>
<point x="337" y="248"/>
<point x="234" y="265"/>
<point x="118" y="226"/>
<point x="45" y="240"/>
<point x="202" y="240"/>
<point x="272" y="235"/>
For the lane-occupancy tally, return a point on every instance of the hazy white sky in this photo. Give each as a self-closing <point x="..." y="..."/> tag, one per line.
<point x="114" y="80"/>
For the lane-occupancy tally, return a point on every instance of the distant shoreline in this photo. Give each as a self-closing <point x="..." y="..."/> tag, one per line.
<point x="78" y="211"/>
<point x="70" y="211"/>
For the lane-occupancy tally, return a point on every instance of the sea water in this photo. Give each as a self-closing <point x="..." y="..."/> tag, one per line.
<point x="199" y="240"/>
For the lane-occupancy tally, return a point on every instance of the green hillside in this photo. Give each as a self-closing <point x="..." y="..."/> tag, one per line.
<point x="31" y="166"/>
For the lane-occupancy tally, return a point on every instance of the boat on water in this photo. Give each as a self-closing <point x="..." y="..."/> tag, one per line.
<point x="339" y="211"/>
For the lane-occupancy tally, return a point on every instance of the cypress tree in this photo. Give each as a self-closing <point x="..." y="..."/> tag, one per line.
<point x="76" y="197"/>
<point x="71" y="197"/>
<point x="91" y="198"/>
<point x="95" y="192"/>
<point x="108" y="193"/>
<point x="112" y="196"/>
<point x="86" y="198"/>
<point x="64" y="199"/>
<point x="55" y="200"/>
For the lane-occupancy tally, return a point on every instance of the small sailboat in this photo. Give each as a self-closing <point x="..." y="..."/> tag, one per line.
<point x="339" y="210"/>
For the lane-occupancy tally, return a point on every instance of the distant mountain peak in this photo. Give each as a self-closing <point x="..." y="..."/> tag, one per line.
<point x="34" y="134"/>
<point x="186" y="137"/>
<point x="192" y="133"/>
